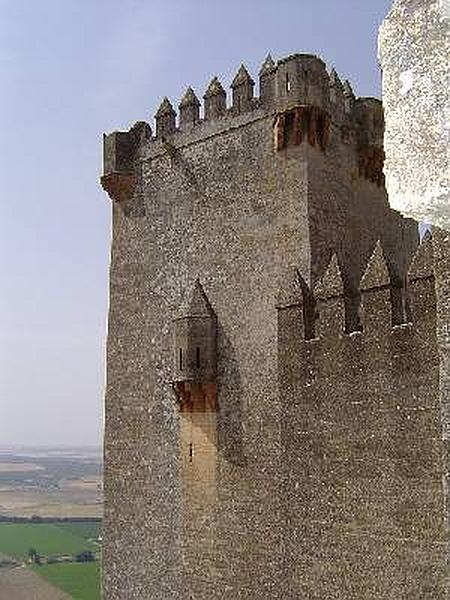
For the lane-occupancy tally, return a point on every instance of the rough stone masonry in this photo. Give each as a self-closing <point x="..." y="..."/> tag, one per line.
<point x="414" y="49"/>
<point x="273" y="416"/>
<point x="415" y="57"/>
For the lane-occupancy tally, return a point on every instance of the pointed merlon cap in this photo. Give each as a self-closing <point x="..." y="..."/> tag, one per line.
<point x="335" y="79"/>
<point x="198" y="304"/>
<point x="242" y="77"/>
<point x="376" y="274"/>
<point x="348" y="90"/>
<point x="268" y="66"/>
<point x="422" y="263"/>
<point x="165" y="108"/>
<point x="330" y="284"/>
<point x="215" y="88"/>
<point x="290" y="289"/>
<point x="189" y="99"/>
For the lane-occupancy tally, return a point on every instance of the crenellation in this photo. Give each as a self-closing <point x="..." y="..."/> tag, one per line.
<point x="335" y="80"/>
<point x="165" y="119"/>
<point x="330" y="303"/>
<point x="422" y="264"/>
<point x="376" y="310"/>
<point x="376" y="274"/>
<point x="299" y="82"/>
<point x="215" y="100"/>
<point x="267" y="81"/>
<point x="189" y="108"/>
<point x="296" y="298"/>
<point x="242" y="91"/>
<point x="380" y="297"/>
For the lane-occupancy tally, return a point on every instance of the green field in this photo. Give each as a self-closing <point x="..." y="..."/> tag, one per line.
<point x="48" y="539"/>
<point x="89" y="530"/>
<point x="79" y="580"/>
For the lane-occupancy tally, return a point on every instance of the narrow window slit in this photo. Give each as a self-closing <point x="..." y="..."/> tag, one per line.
<point x="180" y="358"/>
<point x="197" y="357"/>
<point x="191" y="452"/>
<point x="288" y="83"/>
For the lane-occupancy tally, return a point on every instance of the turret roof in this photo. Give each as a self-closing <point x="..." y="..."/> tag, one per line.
<point x="198" y="304"/>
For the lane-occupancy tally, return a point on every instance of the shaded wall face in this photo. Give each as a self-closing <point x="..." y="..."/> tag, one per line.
<point x="348" y="214"/>
<point x="362" y="455"/>
<point x="229" y="211"/>
<point x="441" y="243"/>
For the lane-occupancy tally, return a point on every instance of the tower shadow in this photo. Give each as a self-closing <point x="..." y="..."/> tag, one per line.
<point x="229" y="425"/>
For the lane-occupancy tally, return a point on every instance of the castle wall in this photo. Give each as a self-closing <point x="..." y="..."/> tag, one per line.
<point x="226" y="210"/>
<point x="239" y="200"/>
<point x="362" y="450"/>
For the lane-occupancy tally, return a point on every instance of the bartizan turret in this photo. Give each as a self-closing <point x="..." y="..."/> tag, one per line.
<point x="302" y="79"/>
<point x="195" y="353"/>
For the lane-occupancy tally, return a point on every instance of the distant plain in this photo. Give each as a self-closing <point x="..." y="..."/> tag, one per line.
<point x="43" y="495"/>
<point x="51" y="482"/>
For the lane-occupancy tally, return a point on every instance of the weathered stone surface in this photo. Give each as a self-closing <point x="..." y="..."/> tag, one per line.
<point x="317" y="470"/>
<point x="414" y="54"/>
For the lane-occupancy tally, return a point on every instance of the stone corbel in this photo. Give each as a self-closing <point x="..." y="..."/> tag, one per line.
<point x="308" y="122"/>
<point x="119" y="186"/>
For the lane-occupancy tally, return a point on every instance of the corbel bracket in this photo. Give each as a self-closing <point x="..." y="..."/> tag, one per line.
<point x="119" y="186"/>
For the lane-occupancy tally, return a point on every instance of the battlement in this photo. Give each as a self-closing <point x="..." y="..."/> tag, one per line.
<point x="299" y="84"/>
<point x="329" y="308"/>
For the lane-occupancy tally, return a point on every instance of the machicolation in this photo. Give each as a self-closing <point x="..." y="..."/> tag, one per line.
<point x="305" y="100"/>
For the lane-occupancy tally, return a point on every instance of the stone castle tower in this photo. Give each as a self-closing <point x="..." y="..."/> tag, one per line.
<point x="273" y="424"/>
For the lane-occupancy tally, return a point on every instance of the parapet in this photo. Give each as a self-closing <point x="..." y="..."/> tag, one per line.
<point x="304" y="99"/>
<point x="120" y="150"/>
<point x="382" y="302"/>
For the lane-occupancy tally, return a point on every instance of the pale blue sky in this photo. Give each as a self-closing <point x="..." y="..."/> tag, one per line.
<point x="70" y="70"/>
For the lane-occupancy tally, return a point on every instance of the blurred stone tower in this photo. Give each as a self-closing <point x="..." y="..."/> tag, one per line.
<point x="272" y="415"/>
